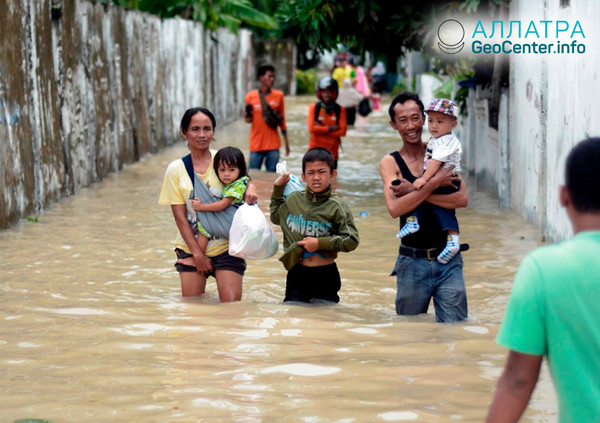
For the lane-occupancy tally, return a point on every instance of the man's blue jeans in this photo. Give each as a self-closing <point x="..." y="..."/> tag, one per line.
<point x="420" y="279"/>
<point x="271" y="157"/>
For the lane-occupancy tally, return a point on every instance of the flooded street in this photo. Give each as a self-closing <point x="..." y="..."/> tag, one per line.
<point x="93" y="327"/>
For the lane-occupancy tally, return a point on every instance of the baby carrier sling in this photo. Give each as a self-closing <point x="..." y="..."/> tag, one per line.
<point x="215" y="223"/>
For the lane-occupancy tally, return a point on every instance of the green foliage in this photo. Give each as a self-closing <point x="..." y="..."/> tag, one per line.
<point x="360" y="25"/>
<point x="212" y="14"/>
<point x="306" y="81"/>
<point x="386" y="28"/>
<point x="470" y="6"/>
<point x="492" y="6"/>
<point x="460" y="97"/>
<point x="229" y="14"/>
<point x="445" y="90"/>
<point x="270" y="8"/>
<point x="34" y="219"/>
<point x="399" y="88"/>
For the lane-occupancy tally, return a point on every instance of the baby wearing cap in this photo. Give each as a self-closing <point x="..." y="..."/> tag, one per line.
<point x="443" y="150"/>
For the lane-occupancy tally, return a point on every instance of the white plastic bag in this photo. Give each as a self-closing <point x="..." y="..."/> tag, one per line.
<point x="251" y="236"/>
<point x="294" y="183"/>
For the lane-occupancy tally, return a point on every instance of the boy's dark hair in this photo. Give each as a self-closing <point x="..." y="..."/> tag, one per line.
<point x="231" y="156"/>
<point x="264" y="69"/>
<point x="582" y="175"/>
<point x="404" y="97"/>
<point x="189" y="113"/>
<point x="318" y="154"/>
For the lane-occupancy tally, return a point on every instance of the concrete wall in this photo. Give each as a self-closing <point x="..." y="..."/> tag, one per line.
<point x="573" y="87"/>
<point x="528" y="107"/>
<point x="426" y="84"/>
<point x="550" y="106"/>
<point x="486" y="151"/>
<point x="282" y="55"/>
<point x="553" y="106"/>
<point x="86" y="88"/>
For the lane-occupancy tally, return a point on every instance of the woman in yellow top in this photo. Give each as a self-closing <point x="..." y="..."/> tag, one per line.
<point x="197" y="128"/>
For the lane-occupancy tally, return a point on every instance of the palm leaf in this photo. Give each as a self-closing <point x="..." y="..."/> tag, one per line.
<point x="244" y="11"/>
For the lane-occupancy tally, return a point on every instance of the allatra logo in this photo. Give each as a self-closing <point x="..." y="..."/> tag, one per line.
<point x="451" y="34"/>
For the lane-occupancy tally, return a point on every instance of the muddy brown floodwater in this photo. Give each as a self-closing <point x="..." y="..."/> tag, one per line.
<point x="94" y="328"/>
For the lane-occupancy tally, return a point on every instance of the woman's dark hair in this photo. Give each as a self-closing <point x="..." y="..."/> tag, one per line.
<point x="402" y="98"/>
<point x="318" y="154"/>
<point x="582" y="176"/>
<point x="231" y="156"/>
<point x="189" y="113"/>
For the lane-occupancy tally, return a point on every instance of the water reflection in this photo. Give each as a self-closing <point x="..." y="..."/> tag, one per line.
<point x="94" y="327"/>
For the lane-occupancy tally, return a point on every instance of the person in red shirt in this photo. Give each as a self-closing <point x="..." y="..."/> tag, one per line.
<point x="327" y="119"/>
<point x="264" y="139"/>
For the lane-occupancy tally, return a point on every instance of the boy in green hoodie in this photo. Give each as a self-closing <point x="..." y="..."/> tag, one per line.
<point x="316" y="224"/>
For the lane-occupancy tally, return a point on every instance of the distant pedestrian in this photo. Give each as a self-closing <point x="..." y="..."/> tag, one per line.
<point x="377" y="74"/>
<point x="342" y="70"/>
<point x="327" y="119"/>
<point x="376" y="99"/>
<point x="349" y="98"/>
<point x="362" y="83"/>
<point x="265" y="110"/>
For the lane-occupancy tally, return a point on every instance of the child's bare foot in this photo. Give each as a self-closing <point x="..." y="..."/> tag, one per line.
<point x="188" y="261"/>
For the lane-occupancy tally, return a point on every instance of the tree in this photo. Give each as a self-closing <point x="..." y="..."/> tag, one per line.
<point x="212" y="14"/>
<point x="383" y="27"/>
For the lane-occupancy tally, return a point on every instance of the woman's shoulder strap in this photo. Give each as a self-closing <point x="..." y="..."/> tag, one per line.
<point x="189" y="166"/>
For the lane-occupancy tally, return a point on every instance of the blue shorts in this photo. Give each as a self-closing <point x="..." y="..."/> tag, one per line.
<point x="270" y="157"/>
<point x="221" y="262"/>
<point x="420" y="279"/>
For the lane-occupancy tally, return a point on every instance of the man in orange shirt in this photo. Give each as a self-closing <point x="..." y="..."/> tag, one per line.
<point x="327" y="119"/>
<point x="264" y="109"/>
